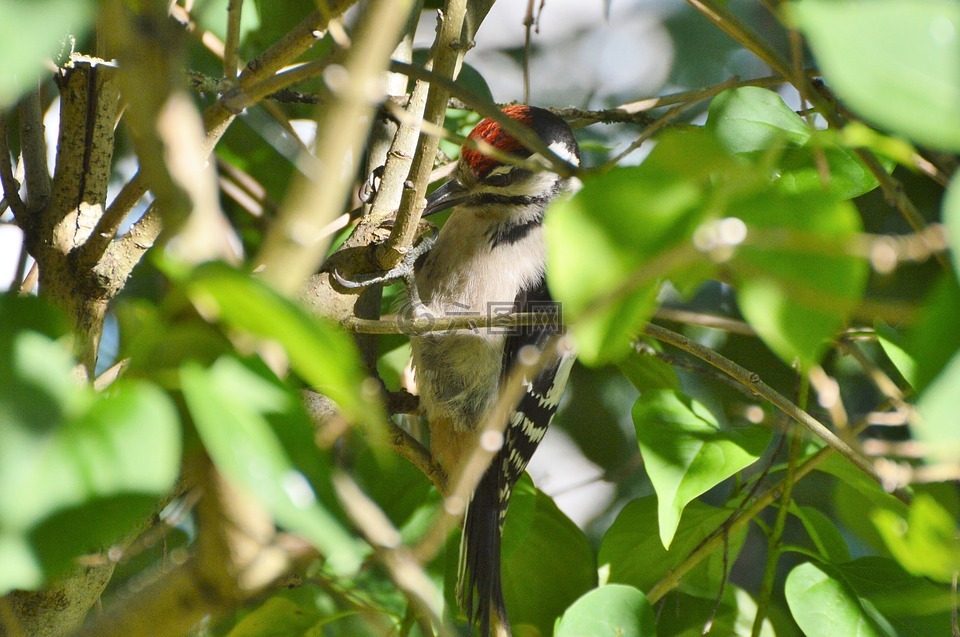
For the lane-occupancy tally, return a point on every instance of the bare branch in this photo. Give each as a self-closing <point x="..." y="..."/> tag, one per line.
<point x="295" y="245"/>
<point x="230" y="57"/>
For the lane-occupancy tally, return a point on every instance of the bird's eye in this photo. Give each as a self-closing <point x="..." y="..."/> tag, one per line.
<point x="499" y="179"/>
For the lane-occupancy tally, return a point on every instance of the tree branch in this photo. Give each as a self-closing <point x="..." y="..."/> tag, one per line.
<point x="295" y="245"/>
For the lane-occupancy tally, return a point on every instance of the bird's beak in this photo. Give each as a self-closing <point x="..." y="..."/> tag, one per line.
<point x="446" y="196"/>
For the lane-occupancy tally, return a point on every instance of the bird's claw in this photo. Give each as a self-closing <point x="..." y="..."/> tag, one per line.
<point x="404" y="270"/>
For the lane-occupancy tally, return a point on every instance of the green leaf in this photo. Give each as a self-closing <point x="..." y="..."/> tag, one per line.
<point x="934" y="340"/>
<point x="612" y="243"/>
<point x="823" y="603"/>
<point x="91" y="476"/>
<point x="823" y="532"/>
<point x="547" y="561"/>
<point x="756" y="123"/>
<point x="631" y="551"/>
<point x="796" y="284"/>
<point x="34" y="31"/>
<point x="323" y="355"/>
<point x="230" y="406"/>
<point x="951" y="218"/>
<point x="926" y="542"/>
<point x="733" y="617"/>
<point x="892" y="343"/>
<point x="614" y="610"/>
<point x="277" y="617"/>
<point x="751" y="121"/>
<point x="896" y="62"/>
<point x="935" y="421"/>
<point x="847" y="176"/>
<point x="686" y="453"/>
<point x="893" y="591"/>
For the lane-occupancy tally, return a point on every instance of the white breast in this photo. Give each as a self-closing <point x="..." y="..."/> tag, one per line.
<point x="458" y="374"/>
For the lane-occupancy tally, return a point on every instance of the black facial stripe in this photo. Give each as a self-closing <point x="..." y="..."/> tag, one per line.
<point x="506" y="234"/>
<point x="512" y="200"/>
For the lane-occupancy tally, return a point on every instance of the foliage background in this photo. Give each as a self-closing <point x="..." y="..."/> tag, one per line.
<point x="791" y="438"/>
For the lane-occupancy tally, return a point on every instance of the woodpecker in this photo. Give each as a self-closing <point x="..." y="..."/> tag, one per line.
<point x="489" y="254"/>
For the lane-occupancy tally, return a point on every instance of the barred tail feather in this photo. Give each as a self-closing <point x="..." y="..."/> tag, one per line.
<point x="479" y="588"/>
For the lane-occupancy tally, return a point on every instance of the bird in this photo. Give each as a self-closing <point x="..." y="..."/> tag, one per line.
<point x="489" y="256"/>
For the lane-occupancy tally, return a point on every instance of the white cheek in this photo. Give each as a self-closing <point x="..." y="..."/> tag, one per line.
<point x="564" y="153"/>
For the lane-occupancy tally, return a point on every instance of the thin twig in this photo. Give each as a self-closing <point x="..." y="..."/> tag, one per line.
<point x="446" y="55"/>
<point x="216" y="120"/>
<point x="406" y="572"/>
<point x="230" y="57"/>
<point x="775" y="538"/>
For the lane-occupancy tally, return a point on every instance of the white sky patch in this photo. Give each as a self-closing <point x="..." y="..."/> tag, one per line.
<point x="561" y="471"/>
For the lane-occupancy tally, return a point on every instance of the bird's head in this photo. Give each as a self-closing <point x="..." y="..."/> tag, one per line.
<point x="481" y="180"/>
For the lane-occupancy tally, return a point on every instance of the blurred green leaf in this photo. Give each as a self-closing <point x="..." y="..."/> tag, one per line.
<point x="547" y="561"/>
<point x="632" y="552"/>
<point x="230" y="405"/>
<point x="926" y="542"/>
<point x="613" y="610"/>
<point x="34" y="31"/>
<point x="321" y="354"/>
<point x="612" y="243"/>
<point x="84" y="479"/>
<point x="896" y="62"/>
<point x="935" y="421"/>
<point x="686" y="453"/>
<point x="277" y="617"/>
<point x="797" y="290"/>
<point x="951" y="218"/>
<point x="823" y="603"/>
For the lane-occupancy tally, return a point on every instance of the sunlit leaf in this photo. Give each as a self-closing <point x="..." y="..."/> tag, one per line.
<point x="33" y="32"/>
<point x="751" y="120"/>
<point x="84" y="479"/>
<point x="322" y="354"/>
<point x="614" y="610"/>
<point x="230" y="405"/>
<point x="892" y="343"/>
<point x="926" y="542"/>
<point x="686" y="453"/>
<point x="951" y="218"/>
<point x="896" y="62"/>
<point x="757" y="123"/>
<point x="823" y="603"/>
